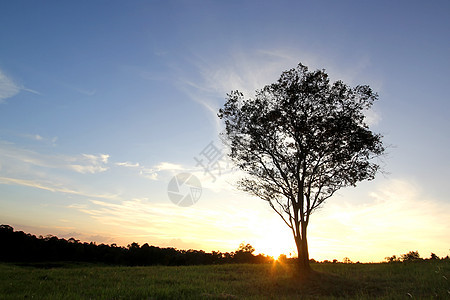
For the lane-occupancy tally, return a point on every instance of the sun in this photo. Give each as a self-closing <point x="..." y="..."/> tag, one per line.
<point x="276" y="243"/>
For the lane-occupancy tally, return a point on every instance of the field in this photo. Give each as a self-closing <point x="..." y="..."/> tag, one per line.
<point x="420" y="280"/>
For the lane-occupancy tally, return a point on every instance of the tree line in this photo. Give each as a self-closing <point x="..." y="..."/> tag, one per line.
<point x="412" y="256"/>
<point x="18" y="246"/>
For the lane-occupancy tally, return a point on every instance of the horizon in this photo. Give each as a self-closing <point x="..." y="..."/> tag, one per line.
<point x="103" y="104"/>
<point x="255" y="252"/>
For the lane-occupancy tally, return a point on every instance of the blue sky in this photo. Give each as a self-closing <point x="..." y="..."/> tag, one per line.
<point x="103" y="102"/>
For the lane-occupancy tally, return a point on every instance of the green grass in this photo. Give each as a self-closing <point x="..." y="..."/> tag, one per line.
<point x="423" y="280"/>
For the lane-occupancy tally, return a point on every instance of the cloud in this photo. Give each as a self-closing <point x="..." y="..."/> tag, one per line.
<point x="250" y="70"/>
<point x="239" y="70"/>
<point x="165" y="166"/>
<point x="91" y="92"/>
<point x="82" y="91"/>
<point x="8" y="88"/>
<point x="372" y="117"/>
<point x="52" y="187"/>
<point x="127" y="164"/>
<point x="244" y="70"/>
<point x="84" y="163"/>
<point x="217" y="178"/>
<point x="399" y="218"/>
<point x="154" y="171"/>
<point x="87" y="169"/>
<point x="30" y="90"/>
<point x="89" y="163"/>
<point x="40" y="138"/>
<point x="163" y="223"/>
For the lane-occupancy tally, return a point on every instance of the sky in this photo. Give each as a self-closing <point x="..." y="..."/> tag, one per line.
<point x="102" y="103"/>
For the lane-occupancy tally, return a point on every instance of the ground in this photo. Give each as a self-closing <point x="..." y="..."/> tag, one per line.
<point x="418" y="280"/>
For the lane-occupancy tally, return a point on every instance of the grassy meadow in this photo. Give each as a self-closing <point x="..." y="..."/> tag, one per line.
<point x="418" y="280"/>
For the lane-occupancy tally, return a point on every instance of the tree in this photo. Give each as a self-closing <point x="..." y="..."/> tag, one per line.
<point x="410" y="256"/>
<point x="300" y="140"/>
<point x="347" y="260"/>
<point x="434" y="256"/>
<point x="244" y="254"/>
<point x="246" y="248"/>
<point x="392" y="259"/>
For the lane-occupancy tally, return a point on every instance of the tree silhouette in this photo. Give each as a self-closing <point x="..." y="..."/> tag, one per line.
<point x="247" y="248"/>
<point x="300" y="140"/>
<point x="410" y="256"/>
<point x="434" y="256"/>
<point x="16" y="246"/>
<point x="244" y="253"/>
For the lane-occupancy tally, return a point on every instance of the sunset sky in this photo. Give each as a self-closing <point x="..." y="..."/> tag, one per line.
<point x="103" y="102"/>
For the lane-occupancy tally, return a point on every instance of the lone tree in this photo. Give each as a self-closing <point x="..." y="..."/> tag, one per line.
<point x="300" y="140"/>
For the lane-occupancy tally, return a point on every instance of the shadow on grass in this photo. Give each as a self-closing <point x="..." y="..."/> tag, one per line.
<point x="322" y="284"/>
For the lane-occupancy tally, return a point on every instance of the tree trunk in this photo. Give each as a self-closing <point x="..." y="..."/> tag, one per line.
<point x="302" y="250"/>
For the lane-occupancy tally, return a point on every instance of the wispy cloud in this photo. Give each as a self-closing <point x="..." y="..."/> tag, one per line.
<point x="30" y="90"/>
<point x="80" y="90"/>
<point x="83" y="163"/>
<point x="54" y="172"/>
<point x="154" y="171"/>
<point x="162" y="224"/>
<point x="244" y="71"/>
<point x="8" y="88"/>
<point x="52" y="187"/>
<point x="91" y="92"/>
<point x="127" y="164"/>
<point x="250" y="70"/>
<point x="89" y="163"/>
<point x="40" y="138"/>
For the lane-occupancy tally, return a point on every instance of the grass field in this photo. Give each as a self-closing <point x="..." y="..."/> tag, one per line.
<point x="421" y="280"/>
